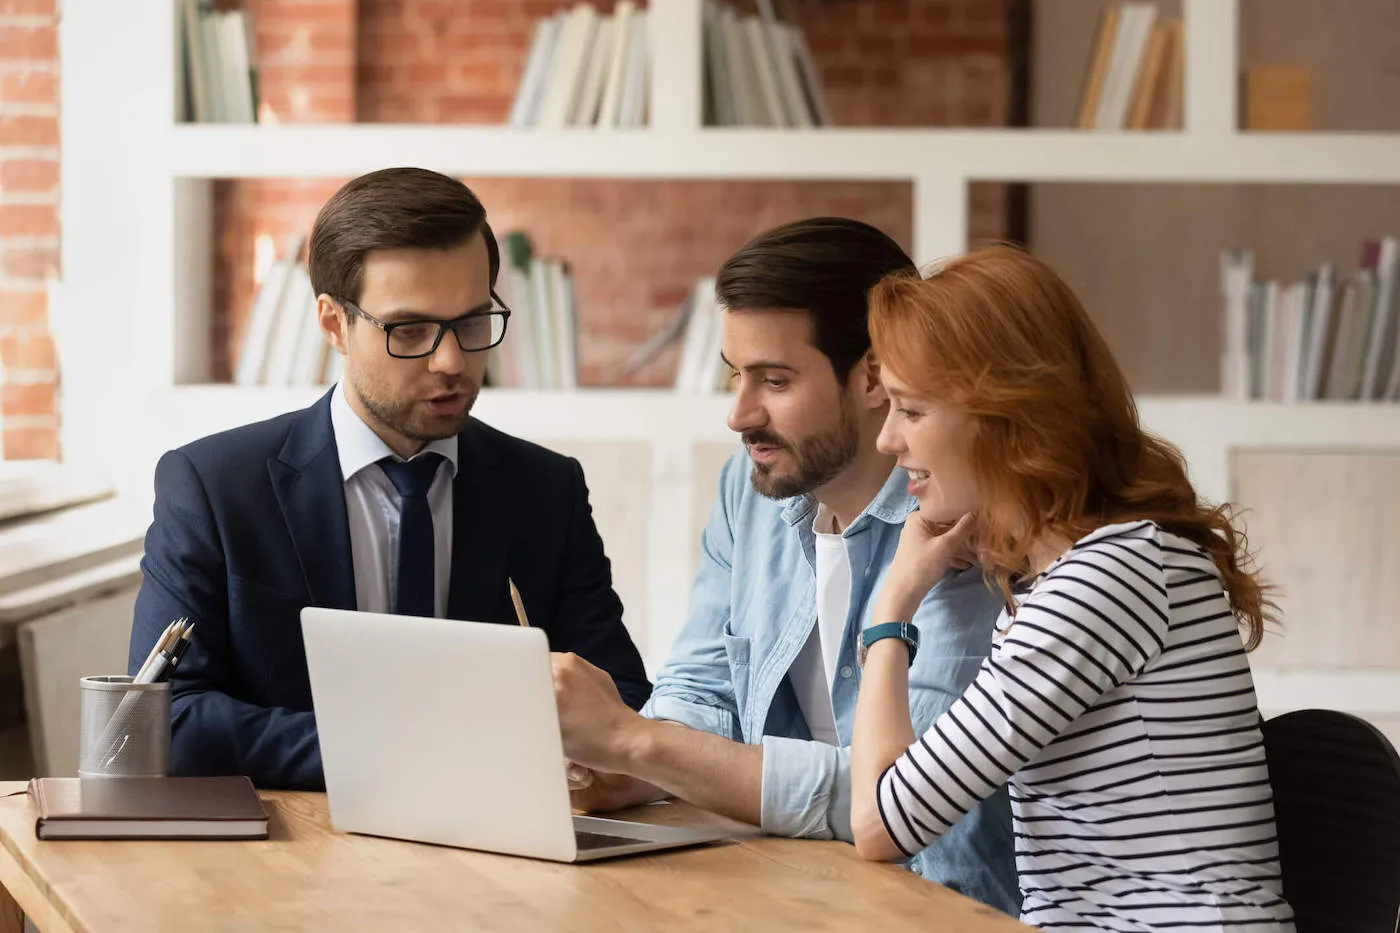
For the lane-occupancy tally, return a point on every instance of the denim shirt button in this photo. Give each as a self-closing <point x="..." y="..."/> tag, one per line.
<point x="916" y="868"/>
<point x="846" y="670"/>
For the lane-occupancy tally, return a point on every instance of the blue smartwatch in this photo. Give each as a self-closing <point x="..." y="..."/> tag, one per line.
<point x="904" y="631"/>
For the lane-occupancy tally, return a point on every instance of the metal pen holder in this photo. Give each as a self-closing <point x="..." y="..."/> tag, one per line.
<point x="125" y="728"/>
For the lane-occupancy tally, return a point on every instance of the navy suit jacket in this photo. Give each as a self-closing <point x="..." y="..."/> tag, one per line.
<point x="250" y="526"/>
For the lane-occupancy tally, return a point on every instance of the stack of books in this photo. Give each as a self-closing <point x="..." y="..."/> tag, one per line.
<point x="1133" y="77"/>
<point x="540" y="349"/>
<point x="220" y="71"/>
<point x="702" y="367"/>
<point x="586" y="69"/>
<point x="1324" y="336"/>
<point x="759" y="71"/>
<point x="282" y="343"/>
<point x="695" y="325"/>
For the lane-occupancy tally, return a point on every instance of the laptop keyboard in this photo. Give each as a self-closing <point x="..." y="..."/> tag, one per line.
<point x="587" y="840"/>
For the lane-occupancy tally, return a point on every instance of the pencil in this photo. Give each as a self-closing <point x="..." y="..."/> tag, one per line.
<point x="519" y="606"/>
<point x="155" y="649"/>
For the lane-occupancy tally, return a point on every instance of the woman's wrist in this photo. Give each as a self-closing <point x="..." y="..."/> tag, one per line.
<point x="894" y="605"/>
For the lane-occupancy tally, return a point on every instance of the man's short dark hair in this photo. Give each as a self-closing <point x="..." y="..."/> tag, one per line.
<point x="393" y="208"/>
<point x="824" y="266"/>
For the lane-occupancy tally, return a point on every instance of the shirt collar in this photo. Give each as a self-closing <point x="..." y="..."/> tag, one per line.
<point x="892" y="504"/>
<point x="358" y="445"/>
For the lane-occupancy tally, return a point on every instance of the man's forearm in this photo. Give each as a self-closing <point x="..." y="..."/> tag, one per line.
<point x="215" y="734"/>
<point x="705" y="770"/>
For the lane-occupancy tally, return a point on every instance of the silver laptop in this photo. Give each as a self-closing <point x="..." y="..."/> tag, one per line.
<point x="446" y="732"/>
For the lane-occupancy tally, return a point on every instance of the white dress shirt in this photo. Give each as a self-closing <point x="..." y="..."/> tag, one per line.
<point x="372" y="505"/>
<point x="814" y="670"/>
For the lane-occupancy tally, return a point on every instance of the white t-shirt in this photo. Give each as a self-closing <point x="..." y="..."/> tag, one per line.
<point x="814" y="670"/>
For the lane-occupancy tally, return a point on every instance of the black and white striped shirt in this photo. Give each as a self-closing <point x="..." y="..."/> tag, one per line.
<point x="1120" y="706"/>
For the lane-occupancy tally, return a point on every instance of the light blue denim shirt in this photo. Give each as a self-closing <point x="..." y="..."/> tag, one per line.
<point x="752" y="609"/>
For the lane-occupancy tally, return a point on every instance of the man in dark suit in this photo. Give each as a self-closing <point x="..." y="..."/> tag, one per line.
<point x="384" y="496"/>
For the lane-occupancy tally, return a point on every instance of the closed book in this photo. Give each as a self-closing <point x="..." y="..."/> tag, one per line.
<point x="147" y="808"/>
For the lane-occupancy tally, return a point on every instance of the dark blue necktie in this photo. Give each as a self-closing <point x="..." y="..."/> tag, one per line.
<point x="416" y="592"/>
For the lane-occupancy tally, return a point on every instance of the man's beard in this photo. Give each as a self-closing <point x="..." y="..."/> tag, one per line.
<point x="400" y="418"/>
<point x="820" y="457"/>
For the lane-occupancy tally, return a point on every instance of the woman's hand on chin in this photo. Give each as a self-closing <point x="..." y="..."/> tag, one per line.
<point x="926" y="552"/>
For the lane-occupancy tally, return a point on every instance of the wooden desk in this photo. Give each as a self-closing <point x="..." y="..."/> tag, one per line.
<point x="308" y="876"/>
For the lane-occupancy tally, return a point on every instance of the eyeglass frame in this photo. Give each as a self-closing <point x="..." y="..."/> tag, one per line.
<point x="499" y="307"/>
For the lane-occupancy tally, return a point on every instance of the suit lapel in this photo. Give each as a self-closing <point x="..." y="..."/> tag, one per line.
<point x="477" y="590"/>
<point x="311" y="493"/>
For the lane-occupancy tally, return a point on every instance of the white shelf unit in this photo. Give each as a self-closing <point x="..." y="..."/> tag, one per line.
<point x="134" y="312"/>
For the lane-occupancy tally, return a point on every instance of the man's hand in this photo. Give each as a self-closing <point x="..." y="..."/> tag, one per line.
<point x="596" y="724"/>
<point x="607" y="792"/>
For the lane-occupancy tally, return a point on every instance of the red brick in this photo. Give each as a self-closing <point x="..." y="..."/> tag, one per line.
<point x="469" y="108"/>
<point x="828" y="44"/>
<point x="24" y="309"/>
<point x="935" y="12"/>
<point x="36" y="398"/>
<point x="946" y="45"/>
<point x="28" y="43"/>
<point x="878" y="46"/>
<point x="29" y="175"/>
<point x="308" y="75"/>
<point x="985" y="13"/>
<point x="29" y="86"/>
<point x="29" y="263"/>
<point x="530" y="9"/>
<point x="428" y="73"/>
<point x="28" y="131"/>
<point x="28" y="7"/>
<point x="843" y="75"/>
<point x="21" y="350"/>
<point x="31" y="443"/>
<point x="282" y="14"/>
<point x="28" y="219"/>
<point x="480" y="75"/>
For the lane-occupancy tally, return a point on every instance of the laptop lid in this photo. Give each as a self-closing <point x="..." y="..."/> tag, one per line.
<point x="439" y="731"/>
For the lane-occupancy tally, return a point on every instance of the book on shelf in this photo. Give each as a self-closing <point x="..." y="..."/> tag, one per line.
<point x="758" y="70"/>
<point x="1133" y="78"/>
<point x="695" y="325"/>
<point x="220" y="76"/>
<point x="586" y="69"/>
<point x="282" y="343"/>
<point x="1324" y="336"/>
<point x="540" y="349"/>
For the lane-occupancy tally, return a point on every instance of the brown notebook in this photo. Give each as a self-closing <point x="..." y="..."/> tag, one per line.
<point x="147" y="808"/>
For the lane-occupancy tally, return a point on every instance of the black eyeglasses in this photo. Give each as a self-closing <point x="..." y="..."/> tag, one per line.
<point x="411" y="340"/>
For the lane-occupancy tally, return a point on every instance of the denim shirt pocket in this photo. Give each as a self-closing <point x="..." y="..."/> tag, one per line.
<point x="736" y="649"/>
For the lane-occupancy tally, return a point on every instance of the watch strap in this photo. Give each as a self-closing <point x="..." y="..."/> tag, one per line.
<point x="906" y="632"/>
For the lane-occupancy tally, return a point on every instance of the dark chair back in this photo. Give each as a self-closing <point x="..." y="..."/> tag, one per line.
<point x="1336" y="786"/>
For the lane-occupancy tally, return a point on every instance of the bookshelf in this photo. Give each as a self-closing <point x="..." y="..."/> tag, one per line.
<point x="134" y="310"/>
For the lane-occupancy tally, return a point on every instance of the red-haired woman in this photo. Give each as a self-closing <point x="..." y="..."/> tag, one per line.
<point x="1117" y="700"/>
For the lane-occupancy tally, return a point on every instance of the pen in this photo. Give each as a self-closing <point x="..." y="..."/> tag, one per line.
<point x="167" y="661"/>
<point x="519" y="606"/>
<point x="152" y="670"/>
<point x="155" y="649"/>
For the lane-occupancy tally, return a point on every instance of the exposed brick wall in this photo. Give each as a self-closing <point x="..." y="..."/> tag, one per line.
<point x="306" y="59"/>
<point x="632" y="272"/>
<point x="28" y="227"/>
<point x="910" y="62"/>
<point x="634" y="246"/>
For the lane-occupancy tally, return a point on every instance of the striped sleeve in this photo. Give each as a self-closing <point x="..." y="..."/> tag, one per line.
<point x="1093" y="622"/>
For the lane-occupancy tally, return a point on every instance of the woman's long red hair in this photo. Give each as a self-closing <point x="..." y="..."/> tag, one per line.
<point x="1059" y="449"/>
